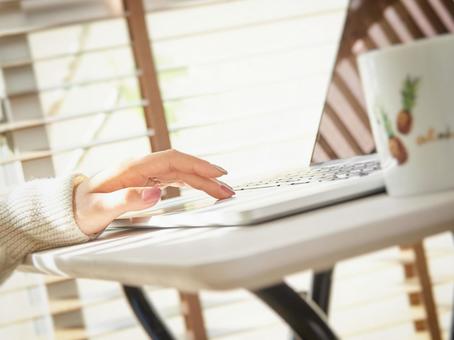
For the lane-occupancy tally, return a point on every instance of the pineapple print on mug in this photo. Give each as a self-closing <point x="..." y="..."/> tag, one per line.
<point x="395" y="144"/>
<point x="404" y="117"/>
<point x="404" y="120"/>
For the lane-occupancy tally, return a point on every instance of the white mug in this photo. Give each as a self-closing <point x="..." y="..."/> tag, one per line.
<point x="409" y="93"/>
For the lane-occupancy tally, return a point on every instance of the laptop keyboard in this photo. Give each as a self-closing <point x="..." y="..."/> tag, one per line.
<point x="327" y="173"/>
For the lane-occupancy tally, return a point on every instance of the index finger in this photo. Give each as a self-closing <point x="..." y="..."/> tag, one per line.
<point x="160" y="164"/>
<point x="171" y="160"/>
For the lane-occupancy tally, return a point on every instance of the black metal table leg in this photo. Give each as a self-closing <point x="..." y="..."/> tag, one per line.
<point x="321" y="292"/>
<point x="321" y="289"/>
<point x="303" y="316"/>
<point x="146" y="314"/>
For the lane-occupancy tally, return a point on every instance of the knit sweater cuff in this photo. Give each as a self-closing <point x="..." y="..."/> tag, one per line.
<point x="40" y="216"/>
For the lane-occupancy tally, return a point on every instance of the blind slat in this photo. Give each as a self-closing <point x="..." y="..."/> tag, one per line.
<point x="233" y="118"/>
<point x="49" y="153"/>
<point x="27" y="61"/>
<point x="69" y="86"/>
<point x="9" y="127"/>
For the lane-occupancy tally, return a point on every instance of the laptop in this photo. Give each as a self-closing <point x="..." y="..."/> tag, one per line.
<point x="283" y="194"/>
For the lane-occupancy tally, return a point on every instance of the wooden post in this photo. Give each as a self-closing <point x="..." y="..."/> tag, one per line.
<point x="193" y="316"/>
<point x="425" y="281"/>
<point x="155" y="118"/>
<point x="419" y="269"/>
<point x="148" y="79"/>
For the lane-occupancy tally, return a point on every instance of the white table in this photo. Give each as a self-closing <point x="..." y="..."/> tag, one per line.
<point x="256" y="257"/>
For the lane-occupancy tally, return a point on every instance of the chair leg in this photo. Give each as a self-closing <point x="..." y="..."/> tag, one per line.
<point x="419" y="269"/>
<point x="193" y="316"/>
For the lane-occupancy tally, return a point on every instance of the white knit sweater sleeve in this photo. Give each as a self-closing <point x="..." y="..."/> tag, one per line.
<point x="37" y="215"/>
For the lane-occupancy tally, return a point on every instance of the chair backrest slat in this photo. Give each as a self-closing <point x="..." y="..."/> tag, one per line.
<point x="345" y="127"/>
<point x="431" y="16"/>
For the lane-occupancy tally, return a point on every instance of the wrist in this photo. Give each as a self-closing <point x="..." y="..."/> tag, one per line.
<point x="81" y="199"/>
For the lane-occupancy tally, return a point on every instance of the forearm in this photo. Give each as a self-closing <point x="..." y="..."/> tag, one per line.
<point x="38" y="215"/>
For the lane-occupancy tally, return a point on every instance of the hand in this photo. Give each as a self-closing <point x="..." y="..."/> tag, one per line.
<point x="137" y="185"/>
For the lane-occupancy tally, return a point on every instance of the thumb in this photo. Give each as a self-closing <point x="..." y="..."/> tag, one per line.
<point x="129" y="199"/>
<point x="94" y="211"/>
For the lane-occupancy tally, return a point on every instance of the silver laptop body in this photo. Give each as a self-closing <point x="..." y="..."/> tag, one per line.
<point x="257" y="202"/>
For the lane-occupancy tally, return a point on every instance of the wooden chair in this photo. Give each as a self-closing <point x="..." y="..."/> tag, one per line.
<point x="345" y="129"/>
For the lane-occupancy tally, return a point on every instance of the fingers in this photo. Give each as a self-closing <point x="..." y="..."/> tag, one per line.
<point x="159" y="164"/>
<point x="212" y="187"/>
<point x="182" y="162"/>
<point x="171" y="160"/>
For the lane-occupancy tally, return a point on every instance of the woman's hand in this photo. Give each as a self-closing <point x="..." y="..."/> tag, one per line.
<point x="137" y="185"/>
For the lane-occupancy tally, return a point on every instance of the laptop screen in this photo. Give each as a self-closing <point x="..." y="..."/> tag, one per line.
<point x="321" y="61"/>
<point x="314" y="32"/>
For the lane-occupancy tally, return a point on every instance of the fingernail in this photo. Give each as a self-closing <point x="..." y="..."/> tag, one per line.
<point x="225" y="187"/>
<point x="151" y="194"/>
<point x="221" y="183"/>
<point x="220" y="169"/>
<point x="227" y="190"/>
